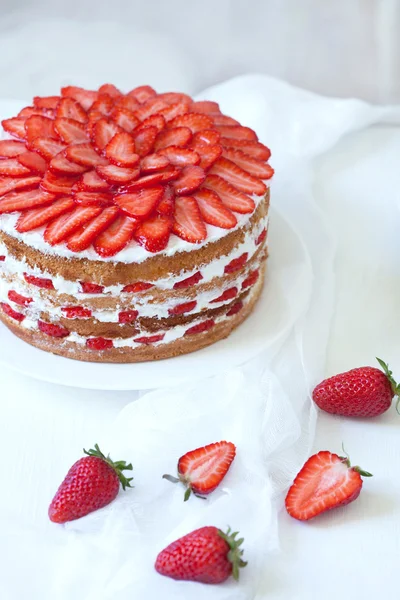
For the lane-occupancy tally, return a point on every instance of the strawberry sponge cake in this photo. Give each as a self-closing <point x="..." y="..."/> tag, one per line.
<point x="132" y="226"/>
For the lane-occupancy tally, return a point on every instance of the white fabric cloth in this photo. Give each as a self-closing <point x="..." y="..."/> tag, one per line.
<point x="263" y="407"/>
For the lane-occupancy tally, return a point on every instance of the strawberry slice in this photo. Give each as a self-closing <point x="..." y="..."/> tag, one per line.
<point x="127" y="102"/>
<point x="76" y="312"/>
<point x="68" y="223"/>
<point x="39" y="126"/>
<point x="175" y="110"/>
<point x="125" y="119"/>
<point x="189" y="281"/>
<point x="144" y="140"/>
<point x="212" y="209"/>
<point x="154" y="233"/>
<point x="127" y="316"/>
<point x="99" y="344"/>
<point x="249" y="164"/>
<point x="11" y="148"/>
<point x="201" y="327"/>
<point x="47" y="102"/>
<point x="153" y="162"/>
<point x="227" y="295"/>
<point x="193" y="121"/>
<point x="206" y="136"/>
<point x="208" y="154"/>
<point x="8" y="184"/>
<point x="180" y="156"/>
<point x="163" y="176"/>
<point x="237" y="307"/>
<point x="142" y="93"/>
<point x="179" y="136"/>
<point x="10" y="312"/>
<point x="69" y="108"/>
<point x="61" y="165"/>
<point x="152" y="339"/>
<point x="15" y="127"/>
<point x="84" y="97"/>
<point x="19" y="201"/>
<point x="33" y="161"/>
<point x="254" y="149"/>
<point x="47" y="147"/>
<point x="237" y="132"/>
<point x="28" y="111"/>
<point x="121" y="150"/>
<point x="116" y="236"/>
<point x="70" y="131"/>
<point x="166" y="205"/>
<point x="242" y="180"/>
<point x="139" y="286"/>
<point x="84" y="237"/>
<point x="93" y="198"/>
<point x="175" y="97"/>
<point x="103" y="104"/>
<point x="18" y="299"/>
<point x="151" y="107"/>
<point x="189" y="224"/>
<point x="190" y="179"/>
<point x="2" y="258"/>
<point x="13" y="168"/>
<point x="91" y="288"/>
<point x="206" y="107"/>
<point x="53" y="330"/>
<point x="236" y="264"/>
<point x="224" y="120"/>
<point x="41" y="282"/>
<point x="85" y="154"/>
<point x="141" y="203"/>
<point x="230" y="196"/>
<point x="251" y="279"/>
<point x="40" y="216"/>
<point x="118" y="175"/>
<point x="203" y="469"/>
<point x="92" y="182"/>
<point x="181" y="309"/>
<point x="93" y="117"/>
<point x="58" y="184"/>
<point x="261" y="237"/>
<point x="110" y="89"/>
<point x="326" y="481"/>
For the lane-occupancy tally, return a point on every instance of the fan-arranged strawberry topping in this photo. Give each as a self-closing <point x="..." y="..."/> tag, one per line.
<point x="104" y="169"/>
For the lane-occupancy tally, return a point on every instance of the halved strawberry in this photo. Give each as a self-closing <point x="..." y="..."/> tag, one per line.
<point x="152" y="339"/>
<point x="92" y="182"/>
<point x="190" y="179"/>
<point x="82" y="238"/>
<point x="156" y="121"/>
<point x="224" y="120"/>
<point x="230" y="196"/>
<point x="125" y="119"/>
<point x="227" y="295"/>
<point x="168" y="174"/>
<point x="93" y="198"/>
<point x="189" y="224"/>
<point x="179" y="136"/>
<point x="117" y="175"/>
<point x="208" y="154"/>
<point x="84" y="97"/>
<point x="67" y="223"/>
<point x="61" y="165"/>
<point x="33" y="161"/>
<point x="212" y="209"/>
<point x="166" y="206"/>
<point x="99" y="344"/>
<point x="142" y="93"/>
<point x="193" y="121"/>
<point x="127" y="316"/>
<point x="121" y="150"/>
<point x="175" y="97"/>
<point x="10" y="312"/>
<point x="237" y="307"/>
<point x="47" y="147"/>
<point x="110" y="89"/>
<point x="139" y="286"/>
<point x="180" y="156"/>
<point x="40" y="282"/>
<point x="52" y="330"/>
<point x="15" y="127"/>
<point x="189" y="281"/>
<point x="40" y="126"/>
<point x="236" y="264"/>
<point x="91" y="288"/>
<point x="85" y="154"/>
<point x="76" y="312"/>
<point x="47" y="102"/>
<point x="325" y="482"/>
<point x="153" y="162"/>
<point x="154" y="233"/>
<point x="201" y="327"/>
<point x="203" y="469"/>
<point x="144" y="140"/>
<point x="249" y="164"/>
<point x="40" y="216"/>
<point x="58" y="184"/>
<point x="261" y="237"/>
<point x="141" y="203"/>
<point x="13" y="168"/>
<point x="116" y="236"/>
<point x="11" y="148"/>
<point x="252" y="148"/>
<point x="206" y="136"/>
<point x="71" y="109"/>
<point x="242" y="180"/>
<point x="18" y="299"/>
<point x="103" y="104"/>
<point x="127" y="102"/>
<point x="151" y="107"/>
<point x="69" y="130"/>
<point x="181" y="309"/>
<point x="206" y="107"/>
<point x="8" y="184"/>
<point x="175" y="110"/>
<point x="251" y="279"/>
<point x="19" y="201"/>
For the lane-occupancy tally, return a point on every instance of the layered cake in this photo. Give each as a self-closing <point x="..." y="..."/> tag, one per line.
<point x="132" y="226"/>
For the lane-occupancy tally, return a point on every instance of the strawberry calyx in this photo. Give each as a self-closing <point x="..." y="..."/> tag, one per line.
<point x="235" y="553"/>
<point x="395" y="386"/>
<point x="186" y="483"/>
<point x="359" y="470"/>
<point x="118" y="466"/>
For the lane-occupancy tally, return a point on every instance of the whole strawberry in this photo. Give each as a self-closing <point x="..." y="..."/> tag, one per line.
<point x="362" y="392"/>
<point x="91" y="483"/>
<point x="206" y="555"/>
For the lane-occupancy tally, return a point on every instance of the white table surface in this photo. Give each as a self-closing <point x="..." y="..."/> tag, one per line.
<point x="352" y="552"/>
